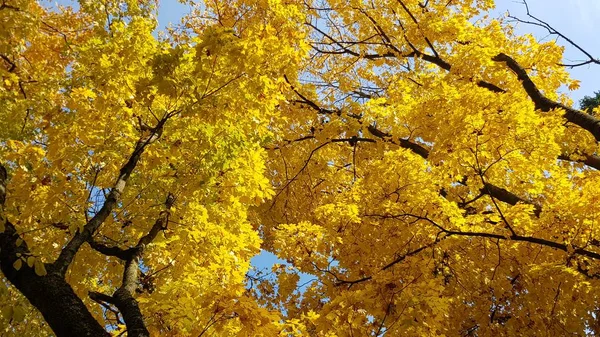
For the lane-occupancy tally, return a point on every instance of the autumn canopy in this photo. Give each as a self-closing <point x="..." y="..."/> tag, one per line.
<point x="417" y="163"/>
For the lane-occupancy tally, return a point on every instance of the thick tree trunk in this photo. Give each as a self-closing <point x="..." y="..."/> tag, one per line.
<point x="62" y="309"/>
<point x="51" y="294"/>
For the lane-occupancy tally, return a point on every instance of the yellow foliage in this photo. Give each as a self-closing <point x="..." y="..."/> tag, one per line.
<point x="414" y="164"/>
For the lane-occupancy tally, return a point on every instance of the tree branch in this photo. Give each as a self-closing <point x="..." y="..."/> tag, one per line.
<point x="396" y="53"/>
<point x="552" y="31"/>
<point x="68" y="253"/>
<point x="115" y="251"/>
<point x="543" y="103"/>
<point x="492" y="190"/>
<point x="574" y="250"/>
<point x="123" y="298"/>
<point x="589" y="160"/>
<point x="392" y="263"/>
<point x="50" y="294"/>
<point x="508" y="197"/>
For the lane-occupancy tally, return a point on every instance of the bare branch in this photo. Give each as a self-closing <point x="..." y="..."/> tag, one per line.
<point x="115" y="251"/>
<point x="552" y="31"/>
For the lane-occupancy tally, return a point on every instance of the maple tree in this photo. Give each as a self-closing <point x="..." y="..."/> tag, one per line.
<point x="434" y="178"/>
<point x="417" y="160"/>
<point x="131" y="162"/>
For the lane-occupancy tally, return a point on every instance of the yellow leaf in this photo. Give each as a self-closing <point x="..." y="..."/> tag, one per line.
<point x="574" y="85"/>
<point x="18" y="314"/>
<point x="7" y="312"/>
<point x="39" y="268"/>
<point x="18" y="264"/>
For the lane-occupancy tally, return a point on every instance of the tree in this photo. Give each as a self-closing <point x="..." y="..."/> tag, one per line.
<point x="433" y="180"/>
<point x="414" y="158"/>
<point x="588" y="103"/>
<point x="129" y="163"/>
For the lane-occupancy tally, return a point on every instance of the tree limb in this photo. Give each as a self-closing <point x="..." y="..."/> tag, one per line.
<point x="50" y="294"/>
<point x="115" y="251"/>
<point x="123" y="298"/>
<point x="68" y="252"/>
<point x="543" y="103"/>
<point x="574" y="250"/>
<point x="552" y="31"/>
<point x="589" y="160"/>
<point x="494" y="191"/>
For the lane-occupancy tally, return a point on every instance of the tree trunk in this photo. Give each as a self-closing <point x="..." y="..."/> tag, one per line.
<point x="62" y="309"/>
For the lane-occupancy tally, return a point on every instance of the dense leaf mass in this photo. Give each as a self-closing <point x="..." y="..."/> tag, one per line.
<point x="417" y="162"/>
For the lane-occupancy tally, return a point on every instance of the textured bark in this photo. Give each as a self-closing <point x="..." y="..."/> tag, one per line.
<point x="62" y="309"/>
<point x="51" y="294"/>
<point x="132" y="315"/>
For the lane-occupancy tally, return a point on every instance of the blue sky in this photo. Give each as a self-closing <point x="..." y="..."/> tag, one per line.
<point x="579" y="20"/>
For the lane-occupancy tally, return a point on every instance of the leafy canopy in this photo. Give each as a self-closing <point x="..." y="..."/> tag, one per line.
<point x="418" y="161"/>
<point x="83" y="91"/>
<point x="589" y="103"/>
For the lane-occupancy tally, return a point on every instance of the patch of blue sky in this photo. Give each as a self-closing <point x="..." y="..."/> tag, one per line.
<point x="265" y="261"/>
<point x="575" y="19"/>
